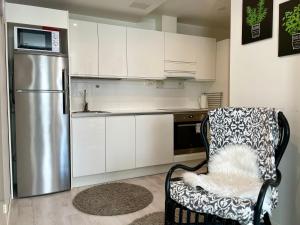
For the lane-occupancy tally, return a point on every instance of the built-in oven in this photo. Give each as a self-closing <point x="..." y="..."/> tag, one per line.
<point x="187" y="132"/>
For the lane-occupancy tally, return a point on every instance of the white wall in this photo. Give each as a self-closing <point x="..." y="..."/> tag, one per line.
<point x="146" y="23"/>
<point x="4" y="129"/>
<point x="215" y="32"/>
<point x="126" y="94"/>
<point x="259" y="78"/>
<point x="154" y="23"/>
<point x="2" y="73"/>
<point x="4" y="141"/>
<point x="1" y="166"/>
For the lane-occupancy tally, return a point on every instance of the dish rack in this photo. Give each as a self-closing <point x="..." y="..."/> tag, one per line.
<point x="214" y="100"/>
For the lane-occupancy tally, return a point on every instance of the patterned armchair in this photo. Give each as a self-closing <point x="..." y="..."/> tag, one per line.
<point x="263" y="129"/>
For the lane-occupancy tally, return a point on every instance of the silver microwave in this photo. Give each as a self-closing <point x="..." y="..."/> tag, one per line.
<point x="36" y="39"/>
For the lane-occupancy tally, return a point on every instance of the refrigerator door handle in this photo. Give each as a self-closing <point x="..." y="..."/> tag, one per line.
<point x="65" y="81"/>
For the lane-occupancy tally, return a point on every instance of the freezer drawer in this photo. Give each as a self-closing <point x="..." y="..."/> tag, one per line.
<point x="39" y="72"/>
<point x="42" y="143"/>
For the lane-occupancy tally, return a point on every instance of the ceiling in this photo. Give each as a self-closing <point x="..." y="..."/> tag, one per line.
<point x="198" y="12"/>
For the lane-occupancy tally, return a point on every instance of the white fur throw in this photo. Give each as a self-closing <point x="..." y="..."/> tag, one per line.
<point x="233" y="172"/>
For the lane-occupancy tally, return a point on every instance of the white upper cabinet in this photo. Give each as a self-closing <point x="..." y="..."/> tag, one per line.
<point x="145" y="53"/>
<point x="154" y="140"/>
<point x="88" y="146"/>
<point x="206" y="59"/>
<point x="180" y="47"/>
<point x="83" y="48"/>
<point x="180" y="55"/>
<point x="190" y="56"/>
<point x="109" y="51"/>
<point x="120" y="143"/>
<point x="39" y="16"/>
<point x="112" y="51"/>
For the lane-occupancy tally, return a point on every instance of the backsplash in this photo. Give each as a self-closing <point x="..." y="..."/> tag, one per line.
<point x="136" y="94"/>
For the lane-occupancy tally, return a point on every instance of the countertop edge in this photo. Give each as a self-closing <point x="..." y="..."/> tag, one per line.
<point x="94" y="114"/>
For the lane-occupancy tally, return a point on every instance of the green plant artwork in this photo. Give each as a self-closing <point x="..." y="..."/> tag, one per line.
<point x="291" y="21"/>
<point x="257" y="21"/>
<point x="256" y="15"/>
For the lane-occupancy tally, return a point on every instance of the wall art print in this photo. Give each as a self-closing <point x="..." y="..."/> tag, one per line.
<point x="289" y="28"/>
<point x="257" y="20"/>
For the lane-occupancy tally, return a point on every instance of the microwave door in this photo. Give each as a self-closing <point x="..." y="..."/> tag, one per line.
<point x="34" y="39"/>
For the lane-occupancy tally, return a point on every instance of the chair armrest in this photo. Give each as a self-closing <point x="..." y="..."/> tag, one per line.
<point x="179" y="166"/>
<point x="261" y="197"/>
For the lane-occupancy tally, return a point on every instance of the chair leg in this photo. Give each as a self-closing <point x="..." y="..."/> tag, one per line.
<point x="267" y="220"/>
<point x="169" y="212"/>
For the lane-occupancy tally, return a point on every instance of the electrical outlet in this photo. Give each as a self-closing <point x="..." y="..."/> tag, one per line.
<point x="159" y="84"/>
<point x="5" y="210"/>
<point x="181" y="84"/>
<point x="150" y="83"/>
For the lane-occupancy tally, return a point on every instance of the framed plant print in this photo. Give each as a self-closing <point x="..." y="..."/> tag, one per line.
<point x="257" y="20"/>
<point x="289" y="28"/>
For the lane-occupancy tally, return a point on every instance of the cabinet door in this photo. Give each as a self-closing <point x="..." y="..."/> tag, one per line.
<point x="206" y="59"/>
<point x="88" y="144"/>
<point x="154" y="140"/>
<point x="83" y="48"/>
<point x="112" y="51"/>
<point x="145" y="53"/>
<point x="120" y="143"/>
<point x="180" y="47"/>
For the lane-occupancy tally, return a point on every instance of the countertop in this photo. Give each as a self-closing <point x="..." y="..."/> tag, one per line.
<point x="125" y="112"/>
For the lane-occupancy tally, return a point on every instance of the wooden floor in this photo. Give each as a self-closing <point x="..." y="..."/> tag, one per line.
<point x="57" y="209"/>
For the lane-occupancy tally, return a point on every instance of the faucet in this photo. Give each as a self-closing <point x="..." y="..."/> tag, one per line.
<point x="85" y="103"/>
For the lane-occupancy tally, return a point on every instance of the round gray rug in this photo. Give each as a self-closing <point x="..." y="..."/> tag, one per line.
<point x="113" y="199"/>
<point x="156" y="218"/>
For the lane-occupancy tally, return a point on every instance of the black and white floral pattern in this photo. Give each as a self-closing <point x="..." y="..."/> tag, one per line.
<point x="256" y="127"/>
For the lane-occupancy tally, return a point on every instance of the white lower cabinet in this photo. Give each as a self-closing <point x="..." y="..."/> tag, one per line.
<point x="120" y="143"/>
<point x="154" y="140"/>
<point x="88" y="145"/>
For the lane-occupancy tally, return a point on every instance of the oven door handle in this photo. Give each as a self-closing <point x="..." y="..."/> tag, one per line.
<point x="187" y="125"/>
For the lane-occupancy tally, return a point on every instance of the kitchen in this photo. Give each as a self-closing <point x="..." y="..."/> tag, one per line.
<point x="126" y="86"/>
<point x="122" y="106"/>
<point x="133" y="95"/>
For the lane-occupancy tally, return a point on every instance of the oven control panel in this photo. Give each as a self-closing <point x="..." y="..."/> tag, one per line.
<point x="189" y="117"/>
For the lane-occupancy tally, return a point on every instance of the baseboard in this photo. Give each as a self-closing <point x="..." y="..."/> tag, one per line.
<point x="121" y="175"/>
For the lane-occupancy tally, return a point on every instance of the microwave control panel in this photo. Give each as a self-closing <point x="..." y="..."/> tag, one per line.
<point x="55" y="41"/>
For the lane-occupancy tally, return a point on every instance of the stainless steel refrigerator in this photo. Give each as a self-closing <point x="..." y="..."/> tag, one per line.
<point x="42" y="123"/>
